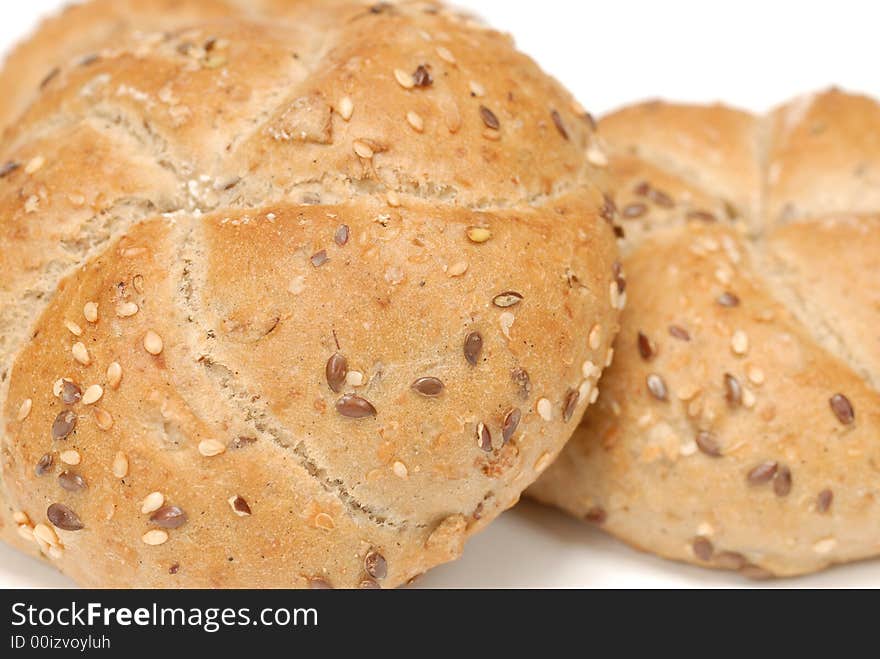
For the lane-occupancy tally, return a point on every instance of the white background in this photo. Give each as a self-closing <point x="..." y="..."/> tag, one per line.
<point x="746" y="53"/>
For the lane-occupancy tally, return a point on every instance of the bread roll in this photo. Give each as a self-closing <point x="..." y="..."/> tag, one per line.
<point x="293" y="295"/>
<point x="739" y="425"/>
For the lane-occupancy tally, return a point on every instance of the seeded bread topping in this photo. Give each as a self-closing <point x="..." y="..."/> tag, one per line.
<point x="293" y="292"/>
<point x="738" y="428"/>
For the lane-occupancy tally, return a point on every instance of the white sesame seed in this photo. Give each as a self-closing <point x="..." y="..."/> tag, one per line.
<point x="543" y="462"/>
<point x="155" y="537"/>
<point x="73" y="328"/>
<point x="80" y="353"/>
<point x="26" y="532"/>
<point x="506" y="320"/>
<point x="362" y="149"/>
<point x="126" y="309"/>
<point x="457" y="269"/>
<point x="756" y="375"/>
<point x="70" y="457"/>
<point x="400" y="470"/>
<point x="103" y="419"/>
<point x="609" y="357"/>
<point x="153" y="343"/>
<point x="415" y="120"/>
<point x="354" y="378"/>
<point x="120" y="465"/>
<point x="114" y="375"/>
<point x="596" y="156"/>
<point x="93" y="394"/>
<point x="58" y="387"/>
<point x="477" y="89"/>
<point x="478" y="235"/>
<point x="152" y="502"/>
<point x="589" y="369"/>
<point x="20" y="517"/>
<point x="748" y="398"/>
<point x="825" y="546"/>
<point x="324" y="521"/>
<point x="585" y="390"/>
<point x="545" y="409"/>
<point x="25" y="409"/>
<point x="393" y="199"/>
<point x="739" y="343"/>
<point x="46" y="534"/>
<point x="211" y="447"/>
<point x="595" y="337"/>
<point x="445" y="55"/>
<point x="404" y="79"/>
<point x="90" y="311"/>
<point x="346" y="108"/>
<point x="614" y="295"/>
<point x="34" y="164"/>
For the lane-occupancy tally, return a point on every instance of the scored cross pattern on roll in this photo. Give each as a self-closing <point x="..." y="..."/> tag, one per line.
<point x="293" y="292"/>
<point x="739" y="426"/>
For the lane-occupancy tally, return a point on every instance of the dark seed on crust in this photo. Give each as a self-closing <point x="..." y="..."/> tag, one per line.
<point x="730" y="560"/>
<point x="489" y="118"/>
<point x="560" y="126"/>
<point x="8" y="168"/>
<point x="473" y="346"/>
<point x="646" y="348"/>
<point x="240" y="506"/>
<point x="596" y="515"/>
<point x="63" y="517"/>
<point x="728" y="300"/>
<point x="44" y="465"/>
<point x="369" y="584"/>
<point x="756" y="573"/>
<point x="63" y="425"/>
<point x="703" y="548"/>
<point x="169" y="517"/>
<point x="679" y="333"/>
<point x="763" y="473"/>
<point x="782" y="482"/>
<point x="507" y="300"/>
<point x="824" y="501"/>
<point x="422" y="77"/>
<point x="70" y="393"/>
<point x="174" y="569"/>
<point x="708" y="444"/>
<point x="430" y="387"/>
<point x="521" y="379"/>
<point x="342" y="235"/>
<point x="511" y="423"/>
<point x="620" y="280"/>
<point x="375" y="565"/>
<point x="484" y="437"/>
<point x="71" y="482"/>
<point x="335" y="372"/>
<point x="732" y="390"/>
<point x="355" y="407"/>
<point x="843" y="409"/>
<point x="608" y="210"/>
<point x="570" y="405"/>
<point x="634" y="211"/>
<point x="241" y="442"/>
<point x="643" y="189"/>
<point x="661" y="198"/>
<point x="702" y="216"/>
<point x="657" y="387"/>
<point x="50" y="77"/>
<point x="319" y="259"/>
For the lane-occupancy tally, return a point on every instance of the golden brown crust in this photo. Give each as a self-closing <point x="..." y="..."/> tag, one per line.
<point x="724" y="436"/>
<point x="397" y="181"/>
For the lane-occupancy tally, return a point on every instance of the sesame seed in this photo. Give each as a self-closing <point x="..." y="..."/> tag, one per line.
<point x="239" y="506"/>
<point x="415" y="120"/>
<point x="71" y="482"/>
<point x="596" y="515"/>
<point x="458" y="268"/>
<point x="708" y="444"/>
<point x="570" y="404"/>
<point x="596" y="156"/>
<point x="739" y="343"/>
<point x="748" y="399"/>
<point x="589" y="369"/>
<point x="80" y="353"/>
<point x="26" y="532"/>
<point x="90" y="312"/>
<point x="319" y="258"/>
<point x="342" y="235"/>
<point x="152" y="502"/>
<point x="93" y="394"/>
<point x="317" y="583"/>
<point x="680" y="333"/>
<point x="594" y="396"/>
<point x="211" y="447"/>
<point x="476" y="89"/>
<point x="8" y="168"/>
<point x="543" y="462"/>
<point x="730" y="560"/>
<point x="324" y="522"/>
<point x="126" y="309"/>
<point x="355" y="407"/>
<point x="545" y="409"/>
<point x="560" y="125"/>
<point x="155" y="537"/>
<point x="169" y="517"/>
<point x="153" y="343"/>
<point x="522" y="381"/>
<point x="46" y="534"/>
<point x="404" y="79"/>
<point x="702" y="216"/>
<point x="34" y="164"/>
<point x="824" y="501"/>
<point x="825" y="546"/>
<point x="428" y="387"/>
<point x="646" y="347"/>
<point x="511" y="423"/>
<point x="346" y="108"/>
<point x="595" y="337"/>
<point x="335" y="372"/>
<point x="842" y="409"/>
<point x="703" y="548"/>
<point x="763" y="473"/>
<point x="44" y="465"/>
<point x="782" y="482"/>
<point x="393" y="199"/>
<point x="63" y="425"/>
<point x="362" y="149"/>
<point x="473" y="346"/>
<point x="478" y="235"/>
<point x="20" y="517"/>
<point x="756" y="375"/>
<point x="70" y="457"/>
<point x="446" y="55"/>
<point x="120" y="465"/>
<point x="354" y="379"/>
<point x="657" y="387"/>
<point x="114" y="375"/>
<point x="400" y="470"/>
<point x="375" y="565"/>
<point x="507" y="300"/>
<point x="73" y="328"/>
<point x="633" y="211"/>
<point x="728" y="300"/>
<point x="70" y="393"/>
<point x="733" y="392"/>
<point x="489" y="118"/>
<point x="25" y="409"/>
<point x="484" y="438"/>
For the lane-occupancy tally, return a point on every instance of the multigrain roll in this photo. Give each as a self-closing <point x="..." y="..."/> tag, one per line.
<point x="294" y="295"/>
<point x="739" y="426"/>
